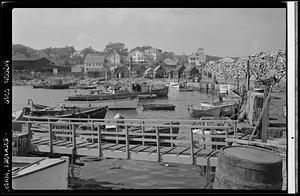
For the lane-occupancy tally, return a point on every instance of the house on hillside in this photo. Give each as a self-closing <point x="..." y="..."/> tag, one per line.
<point x="122" y="71"/>
<point x="169" y="61"/>
<point x="198" y="58"/>
<point x="28" y="67"/>
<point x="94" y="65"/>
<point x="152" y="53"/>
<point x="114" y="58"/>
<point x="159" y="72"/>
<point x="137" y="56"/>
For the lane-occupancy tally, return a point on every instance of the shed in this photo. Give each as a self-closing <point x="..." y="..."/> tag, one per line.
<point x="178" y="71"/>
<point x="191" y="71"/>
<point x="159" y="72"/>
<point x="122" y="71"/>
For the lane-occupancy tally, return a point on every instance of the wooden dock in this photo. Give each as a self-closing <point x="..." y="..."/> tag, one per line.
<point x="89" y="137"/>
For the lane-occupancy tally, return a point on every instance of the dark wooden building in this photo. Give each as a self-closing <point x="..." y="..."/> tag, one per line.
<point x="178" y="71"/>
<point x="27" y="67"/>
<point x="191" y="71"/>
<point x="122" y="71"/>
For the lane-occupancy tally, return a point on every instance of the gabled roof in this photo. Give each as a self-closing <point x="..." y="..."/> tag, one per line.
<point x="179" y="67"/>
<point x="156" y="68"/>
<point x="94" y="57"/>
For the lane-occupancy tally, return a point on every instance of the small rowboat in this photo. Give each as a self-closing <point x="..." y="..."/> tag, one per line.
<point x="203" y="111"/>
<point x="159" y="106"/>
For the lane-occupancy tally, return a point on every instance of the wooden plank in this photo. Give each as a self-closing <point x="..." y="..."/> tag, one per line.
<point x="93" y="145"/>
<point x="142" y="148"/>
<point x="39" y="140"/>
<point x="43" y="142"/>
<point x="83" y="145"/>
<point x="198" y="151"/>
<point x="108" y="145"/>
<point x="183" y="151"/>
<point x="204" y="152"/>
<point x="169" y="150"/>
<point x="64" y="143"/>
<point x="117" y="146"/>
<point x="154" y="150"/>
<point x="58" y="141"/>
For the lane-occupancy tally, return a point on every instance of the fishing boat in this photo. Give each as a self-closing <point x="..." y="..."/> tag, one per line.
<point x="58" y="86"/>
<point x="40" y="173"/>
<point x="186" y="89"/>
<point x="228" y="109"/>
<point x="147" y="96"/>
<point x="203" y="111"/>
<point x="98" y="95"/>
<point x="159" y="106"/>
<point x="174" y="83"/>
<point x="37" y="110"/>
<point x="160" y="90"/>
<point x="183" y="87"/>
<point x="112" y="104"/>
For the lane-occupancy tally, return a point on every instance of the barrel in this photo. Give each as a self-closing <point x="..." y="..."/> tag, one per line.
<point x="247" y="167"/>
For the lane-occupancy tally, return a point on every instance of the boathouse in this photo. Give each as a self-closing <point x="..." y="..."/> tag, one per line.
<point x="138" y="69"/>
<point x="159" y="72"/>
<point x="178" y="71"/>
<point x="122" y="71"/>
<point x="29" y="67"/>
<point x="191" y="71"/>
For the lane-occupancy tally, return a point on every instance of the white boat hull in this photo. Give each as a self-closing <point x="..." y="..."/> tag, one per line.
<point x="48" y="174"/>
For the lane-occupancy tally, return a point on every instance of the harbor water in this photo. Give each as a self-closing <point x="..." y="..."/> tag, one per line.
<point x="54" y="97"/>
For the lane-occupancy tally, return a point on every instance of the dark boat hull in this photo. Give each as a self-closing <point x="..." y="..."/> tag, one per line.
<point x="158" y="107"/>
<point x="97" y="112"/>
<point x="58" y="86"/>
<point x="99" y="97"/>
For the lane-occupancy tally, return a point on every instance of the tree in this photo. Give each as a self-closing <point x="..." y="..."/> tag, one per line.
<point x="118" y="47"/>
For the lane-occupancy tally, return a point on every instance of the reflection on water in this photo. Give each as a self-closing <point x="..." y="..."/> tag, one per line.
<point x="53" y="97"/>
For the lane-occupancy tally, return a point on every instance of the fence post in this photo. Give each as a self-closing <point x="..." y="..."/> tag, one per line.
<point x="117" y="131"/>
<point x="99" y="141"/>
<point x="127" y="141"/>
<point x="192" y="146"/>
<point x="29" y="130"/>
<point x="158" y="144"/>
<point x="235" y="129"/>
<point x="74" y="139"/>
<point x="50" y="139"/>
<point x="143" y="131"/>
<point x="226" y="135"/>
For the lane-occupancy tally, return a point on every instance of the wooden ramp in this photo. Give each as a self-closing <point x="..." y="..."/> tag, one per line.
<point x="146" y="140"/>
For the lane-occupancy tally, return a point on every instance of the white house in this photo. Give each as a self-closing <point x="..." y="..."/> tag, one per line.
<point x="152" y="53"/>
<point x="137" y="56"/>
<point x="94" y="65"/>
<point x="197" y="58"/>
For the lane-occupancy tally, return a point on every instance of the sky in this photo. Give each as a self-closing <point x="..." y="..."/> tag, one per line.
<point x="220" y="31"/>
